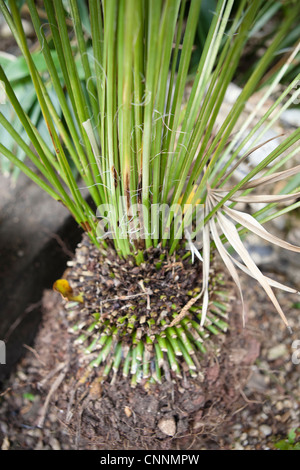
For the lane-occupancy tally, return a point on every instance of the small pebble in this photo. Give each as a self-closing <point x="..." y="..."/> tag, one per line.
<point x="39" y="446"/>
<point x="276" y="352"/>
<point x="238" y="446"/>
<point x="55" y="445"/>
<point x="287" y="404"/>
<point x="291" y="117"/>
<point x="22" y="376"/>
<point x="5" y="444"/>
<point x="232" y="93"/>
<point x="265" y="430"/>
<point x="127" y="411"/>
<point x="279" y="405"/>
<point x="167" y="426"/>
<point x="253" y="433"/>
<point x="27" y="26"/>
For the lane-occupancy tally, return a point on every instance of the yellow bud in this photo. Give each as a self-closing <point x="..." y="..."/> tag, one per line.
<point x="63" y="287"/>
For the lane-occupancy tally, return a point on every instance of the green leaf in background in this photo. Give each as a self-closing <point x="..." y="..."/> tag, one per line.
<point x="291" y="442"/>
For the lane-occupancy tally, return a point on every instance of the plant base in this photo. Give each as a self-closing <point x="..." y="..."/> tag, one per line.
<point x="129" y="323"/>
<point x="182" y="413"/>
<point x="110" y="410"/>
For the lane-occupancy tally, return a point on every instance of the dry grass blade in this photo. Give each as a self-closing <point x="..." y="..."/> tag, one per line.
<point x="252" y="224"/>
<point x="264" y="198"/>
<point x="206" y="266"/>
<point x="232" y="235"/>
<point x="184" y="311"/>
<point x="280" y="175"/>
<point x="192" y="247"/>
<point x="228" y="263"/>
<point x="242" y="159"/>
<point x="87" y="125"/>
<point x="270" y="281"/>
<point x="272" y="178"/>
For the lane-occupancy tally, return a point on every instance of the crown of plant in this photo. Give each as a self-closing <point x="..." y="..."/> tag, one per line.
<point x="151" y="157"/>
<point x="123" y="314"/>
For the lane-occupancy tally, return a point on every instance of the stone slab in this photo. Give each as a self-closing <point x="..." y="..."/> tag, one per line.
<point x="37" y="237"/>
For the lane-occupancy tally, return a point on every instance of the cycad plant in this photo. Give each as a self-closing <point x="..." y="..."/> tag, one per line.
<point x="147" y="141"/>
